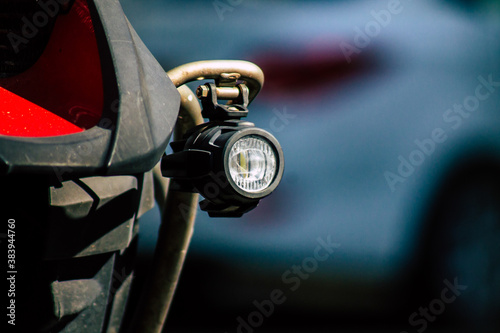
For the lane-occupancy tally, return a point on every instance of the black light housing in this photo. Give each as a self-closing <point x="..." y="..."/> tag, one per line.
<point x="230" y="162"/>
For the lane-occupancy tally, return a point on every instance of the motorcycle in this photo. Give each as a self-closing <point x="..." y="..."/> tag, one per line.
<point x="86" y="115"/>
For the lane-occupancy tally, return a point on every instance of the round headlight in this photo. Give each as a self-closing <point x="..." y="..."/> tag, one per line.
<point x="232" y="164"/>
<point x="252" y="163"/>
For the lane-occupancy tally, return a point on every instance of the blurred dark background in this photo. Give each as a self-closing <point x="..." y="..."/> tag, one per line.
<point x="392" y="154"/>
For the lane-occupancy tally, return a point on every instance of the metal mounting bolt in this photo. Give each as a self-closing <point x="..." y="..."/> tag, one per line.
<point x="202" y="91"/>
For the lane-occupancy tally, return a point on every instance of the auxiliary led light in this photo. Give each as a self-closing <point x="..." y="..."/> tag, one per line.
<point x="252" y="163"/>
<point x="232" y="164"/>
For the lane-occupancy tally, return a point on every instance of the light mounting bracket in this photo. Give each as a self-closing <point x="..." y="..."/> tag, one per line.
<point x="229" y="161"/>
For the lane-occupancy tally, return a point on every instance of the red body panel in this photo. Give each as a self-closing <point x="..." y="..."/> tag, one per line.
<point x="62" y="93"/>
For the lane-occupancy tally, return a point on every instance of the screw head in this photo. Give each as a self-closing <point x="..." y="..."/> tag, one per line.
<point x="202" y="91"/>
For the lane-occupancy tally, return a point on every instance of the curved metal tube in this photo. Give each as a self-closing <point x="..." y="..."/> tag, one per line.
<point x="160" y="185"/>
<point x="178" y="211"/>
<point x="189" y="113"/>
<point x="179" y="208"/>
<point x="211" y="69"/>
<point x="189" y="117"/>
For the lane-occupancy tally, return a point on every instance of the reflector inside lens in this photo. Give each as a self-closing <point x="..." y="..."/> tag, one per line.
<point x="252" y="163"/>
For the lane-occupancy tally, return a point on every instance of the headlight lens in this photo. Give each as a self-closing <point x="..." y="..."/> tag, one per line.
<point x="252" y="163"/>
<point x="232" y="164"/>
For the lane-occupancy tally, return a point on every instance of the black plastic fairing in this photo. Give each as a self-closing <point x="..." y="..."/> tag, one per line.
<point x="140" y="110"/>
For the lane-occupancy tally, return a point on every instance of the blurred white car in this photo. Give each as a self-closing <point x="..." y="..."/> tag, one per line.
<point x="387" y="112"/>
